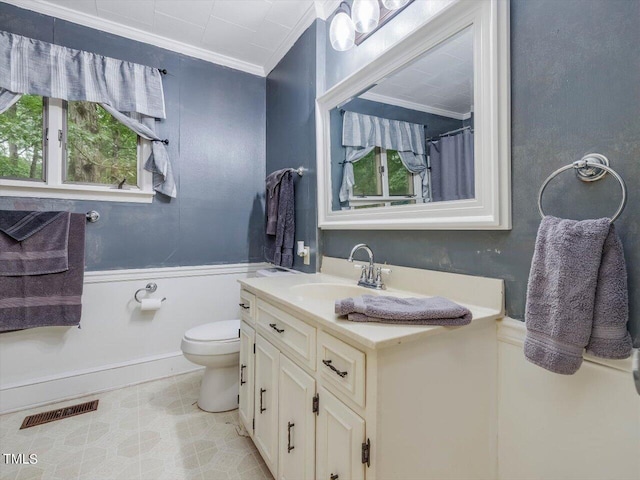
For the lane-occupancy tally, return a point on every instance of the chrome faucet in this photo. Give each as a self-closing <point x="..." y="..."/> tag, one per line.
<point x="370" y="277"/>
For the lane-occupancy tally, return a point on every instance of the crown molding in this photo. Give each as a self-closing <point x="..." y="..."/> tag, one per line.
<point x="308" y="18"/>
<point x="91" y="21"/>
<point x="376" y="97"/>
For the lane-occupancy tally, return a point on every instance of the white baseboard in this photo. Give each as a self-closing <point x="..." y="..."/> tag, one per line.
<point x="79" y="383"/>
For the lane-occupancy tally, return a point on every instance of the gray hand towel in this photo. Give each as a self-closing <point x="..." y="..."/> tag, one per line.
<point x="21" y="224"/>
<point x="414" y="311"/>
<point x="51" y="299"/>
<point x="609" y="335"/>
<point x="565" y="273"/>
<point x="279" y="249"/>
<point x="33" y="244"/>
<point x="273" y="193"/>
<point x="443" y="322"/>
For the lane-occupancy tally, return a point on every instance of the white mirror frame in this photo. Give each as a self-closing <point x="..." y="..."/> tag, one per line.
<point x="491" y="209"/>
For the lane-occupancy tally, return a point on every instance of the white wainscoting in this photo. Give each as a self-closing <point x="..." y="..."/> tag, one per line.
<point x="583" y="426"/>
<point x="118" y="344"/>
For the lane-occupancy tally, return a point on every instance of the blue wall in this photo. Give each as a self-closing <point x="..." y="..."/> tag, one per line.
<point x="291" y="134"/>
<point x="575" y="67"/>
<point x="216" y="126"/>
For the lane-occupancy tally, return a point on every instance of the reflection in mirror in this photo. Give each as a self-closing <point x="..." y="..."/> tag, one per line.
<point x="409" y="138"/>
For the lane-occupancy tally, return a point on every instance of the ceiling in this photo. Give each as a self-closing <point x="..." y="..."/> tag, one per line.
<point x="440" y="81"/>
<point x="250" y="35"/>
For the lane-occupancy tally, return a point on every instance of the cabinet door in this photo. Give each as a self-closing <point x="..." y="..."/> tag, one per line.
<point x="340" y="435"/>
<point x="245" y="408"/>
<point x="297" y="423"/>
<point x="265" y="434"/>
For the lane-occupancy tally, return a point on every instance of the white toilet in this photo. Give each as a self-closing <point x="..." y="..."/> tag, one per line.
<point x="216" y="346"/>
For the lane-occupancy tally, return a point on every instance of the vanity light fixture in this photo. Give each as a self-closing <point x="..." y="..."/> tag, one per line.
<point x="342" y="32"/>
<point x="352" y="25"/>
<point x="394" y="4"/>
<point x="365" y="15"/>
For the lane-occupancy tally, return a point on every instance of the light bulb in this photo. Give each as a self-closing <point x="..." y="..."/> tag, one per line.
<point x="394" y="4"/>
<point x="365" y="15"/>
<point x="342" y="33"/>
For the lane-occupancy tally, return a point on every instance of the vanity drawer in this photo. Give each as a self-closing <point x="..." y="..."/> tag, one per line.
<point x="342" y="366"/>
<point x="288" y="333"/>
<point x="248" y="307"/>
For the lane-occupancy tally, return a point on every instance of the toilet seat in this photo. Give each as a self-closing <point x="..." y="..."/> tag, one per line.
<point x="215" y="338"/>
<point x="214" y="331"/>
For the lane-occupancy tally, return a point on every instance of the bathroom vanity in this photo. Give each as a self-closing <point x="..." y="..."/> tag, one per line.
<point x="330" y="399"/>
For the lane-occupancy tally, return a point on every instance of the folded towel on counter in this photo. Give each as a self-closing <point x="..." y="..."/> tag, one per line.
<point x="33" y="243"/>
<point x="279" y="248"/>
<point x="411" y="311"/>
<point x="577" y="295"/>
<point x="46" y="300"/>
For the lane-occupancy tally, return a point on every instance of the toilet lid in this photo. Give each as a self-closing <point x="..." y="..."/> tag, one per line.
<point x="215" y="331"/>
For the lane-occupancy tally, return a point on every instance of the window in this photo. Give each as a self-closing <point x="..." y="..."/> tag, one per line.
<point x="21" y="140"/>
<point x="73" y="150"/>
<point x="382" y="179"/>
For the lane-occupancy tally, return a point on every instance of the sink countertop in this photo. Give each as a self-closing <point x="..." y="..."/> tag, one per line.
<point x="370" y="335"/>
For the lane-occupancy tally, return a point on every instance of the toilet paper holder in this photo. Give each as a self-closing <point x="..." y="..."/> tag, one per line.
<point x="150" y="288"/>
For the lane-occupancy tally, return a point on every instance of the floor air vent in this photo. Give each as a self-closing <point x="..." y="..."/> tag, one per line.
<point x="53" y="415"/>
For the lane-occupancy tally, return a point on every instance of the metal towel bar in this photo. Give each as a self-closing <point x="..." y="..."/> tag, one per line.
<point x="92" y="216"/>
<point x="589" y="168"/>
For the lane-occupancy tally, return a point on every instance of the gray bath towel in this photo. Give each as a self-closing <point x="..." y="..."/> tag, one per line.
<point x="273" y="194"/>
<point x="33" y="244"/>
<point x="21" y="224"/>
<point x="279" y="248"/>
<point x="577" y="290"/>
<point x="413" y="311"/>
<point x="609" y="335"/>
<point x="51" y="299"/>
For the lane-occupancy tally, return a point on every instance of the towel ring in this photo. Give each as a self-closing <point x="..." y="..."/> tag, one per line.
<point x="590" y="168"/>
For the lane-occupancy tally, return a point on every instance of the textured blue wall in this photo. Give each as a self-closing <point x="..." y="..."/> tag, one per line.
<point x="216" y="127"/>
<point x="575" y="67"/>
<point x="291" y="134"/>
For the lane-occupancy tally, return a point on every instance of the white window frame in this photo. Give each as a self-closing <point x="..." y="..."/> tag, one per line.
<point x="386" y="197"/>
<point x="54" y="186"/>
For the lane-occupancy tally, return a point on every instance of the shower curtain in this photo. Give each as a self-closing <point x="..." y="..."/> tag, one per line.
<point x="452" y="169"/>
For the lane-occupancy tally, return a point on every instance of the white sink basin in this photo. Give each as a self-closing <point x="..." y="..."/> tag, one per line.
<point x="331" y="291"/>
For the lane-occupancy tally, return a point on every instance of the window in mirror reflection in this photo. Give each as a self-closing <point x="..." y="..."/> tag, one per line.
<point x="400" y="180"/>
<point x="380" y="175"/>
<point x="367" y="173"/>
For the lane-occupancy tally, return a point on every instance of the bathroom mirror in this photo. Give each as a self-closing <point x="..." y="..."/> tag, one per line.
<point x="419" y="138"/>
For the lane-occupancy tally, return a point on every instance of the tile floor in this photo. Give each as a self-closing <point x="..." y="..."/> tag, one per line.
<point x="149" y="431"/>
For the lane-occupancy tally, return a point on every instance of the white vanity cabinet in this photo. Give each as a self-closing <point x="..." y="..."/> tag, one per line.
<point x="265" y="433"/>
<point x="340" y="434"/>
<point x="299" y="436"/>
<point x="297" y="423"/>
<point x="340" y="400"/>
<point x="245" y="398"/>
